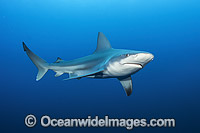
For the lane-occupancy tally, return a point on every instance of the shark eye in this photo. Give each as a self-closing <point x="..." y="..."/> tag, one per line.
<point x="127" y="55"/>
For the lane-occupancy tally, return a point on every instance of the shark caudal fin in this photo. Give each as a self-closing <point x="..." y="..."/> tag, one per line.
<point x="41" y="64"/>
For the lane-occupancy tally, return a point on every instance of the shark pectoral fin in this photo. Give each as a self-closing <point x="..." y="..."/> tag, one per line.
<point x="127" y="84"/>
<point x="75" y="76"/>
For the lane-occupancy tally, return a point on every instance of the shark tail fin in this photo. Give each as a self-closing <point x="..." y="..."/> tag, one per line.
<point x="41" y="64"/>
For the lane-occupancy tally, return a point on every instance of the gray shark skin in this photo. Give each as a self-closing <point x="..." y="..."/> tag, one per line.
<point x="105" y="62"/>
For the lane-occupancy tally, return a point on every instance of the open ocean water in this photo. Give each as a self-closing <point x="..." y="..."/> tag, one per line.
<point x="168" y="87"/>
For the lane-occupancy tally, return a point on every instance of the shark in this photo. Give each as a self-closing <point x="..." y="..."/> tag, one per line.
<point x="104" y="62"/>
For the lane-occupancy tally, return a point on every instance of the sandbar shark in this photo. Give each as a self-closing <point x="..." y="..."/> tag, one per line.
<point x="104" y="62"/>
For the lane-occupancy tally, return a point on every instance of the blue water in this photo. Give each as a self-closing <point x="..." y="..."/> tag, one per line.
<point x="168" y="87"/>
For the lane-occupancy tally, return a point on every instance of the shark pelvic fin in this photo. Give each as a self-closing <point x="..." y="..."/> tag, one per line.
<point x="127" y="84"/>
<point x="76" y="76"/>
<point x="102" y="43"/>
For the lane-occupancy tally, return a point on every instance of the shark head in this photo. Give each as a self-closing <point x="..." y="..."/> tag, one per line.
<point x="136" y="59"/>
<point x="128" y="62"/>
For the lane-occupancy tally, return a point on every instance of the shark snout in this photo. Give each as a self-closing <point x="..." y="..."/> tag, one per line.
<point x="139" y="59"/>
<point x="145" y="58"/>
<point x="149" y="56"/>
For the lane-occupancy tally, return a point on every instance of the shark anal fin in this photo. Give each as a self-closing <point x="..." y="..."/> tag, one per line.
<point x="102" y="42"/>
<point x="127" y="84"/>
<point x="58" y="73"/>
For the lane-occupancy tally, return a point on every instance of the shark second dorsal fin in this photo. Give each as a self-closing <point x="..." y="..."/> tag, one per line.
<point x="58" y="60"/>
<point x="102" y="43"/>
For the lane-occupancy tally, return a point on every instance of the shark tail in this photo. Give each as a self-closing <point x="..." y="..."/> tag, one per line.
<point x="41" y="64"/>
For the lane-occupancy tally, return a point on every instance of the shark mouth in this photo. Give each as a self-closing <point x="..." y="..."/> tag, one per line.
<point x="138" y="64"/>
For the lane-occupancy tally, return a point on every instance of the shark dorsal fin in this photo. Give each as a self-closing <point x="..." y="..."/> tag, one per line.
<point x="58" y="60"/>
<point x="102" y="43"/>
